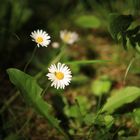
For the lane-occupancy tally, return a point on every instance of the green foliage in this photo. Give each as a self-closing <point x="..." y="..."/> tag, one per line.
<point x="19" y="14"/>
<point x="73" y="111"/>
<point x="100" y="120"/>
<point x="101" y="86"/>
<point x="135" y="4"/>
<point x="130" y="138"/>
<point x="75" y="69"/>
<point x="82" y="62"/>
<point x="136" y="114"/>
<point x="118" y="24"/>
<point x="83" y="104"/>
<point x="134" y="37"/>
<point x="12" y="137"/>
<point x="88" y="21"/>
<point x="80" y="79"/>
<point x="120" y="29"/>
<point x="121" y="97"/>
<point x="31" y="91"/>
<point x="79" y="109"/>
<point x="3" y="7"/>
<point x="89" y="118"/>
<point x="109" y="120"/>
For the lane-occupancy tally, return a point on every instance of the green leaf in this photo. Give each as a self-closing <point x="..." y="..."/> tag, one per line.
<point x="31" y="91"/>
<point x="84" y="104"/>
<point x="101" y="86"/>
<point x="119" y="24"/>
<point x="136" y="114"/>
<point x="109" y="120"/>
<point x="79" y="109"/>
<point x="87" y="21"/>
<point x="123" y="96"/>
<point x="106" y="120"/>
<point x="80" y="62"/>
<point x="80" y="79"/>
<point x="73" y="111"/>
<point x="89" y="118"/>
<point x="75" y="70"/>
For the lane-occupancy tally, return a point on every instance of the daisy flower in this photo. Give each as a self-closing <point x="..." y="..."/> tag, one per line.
<point x="41" y="38"/>
<point x="59" y="75"/>
<point x="68" y="36"/>
<point x="55" y="45"/>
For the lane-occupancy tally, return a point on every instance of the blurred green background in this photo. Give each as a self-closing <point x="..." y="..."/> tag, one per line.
<point x="91" y="20"/>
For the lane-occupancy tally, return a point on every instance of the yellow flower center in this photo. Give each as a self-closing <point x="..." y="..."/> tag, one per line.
<point x="59" y="75"/>
<point x="67" y="37"/>
<point x="39" y="40"/>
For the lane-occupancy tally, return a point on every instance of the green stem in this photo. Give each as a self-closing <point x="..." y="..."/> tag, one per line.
<point x="27" y="64"/>
<point x="128" y="68"/>
<point x="58" y="57"/>
<point x="99" y="102"/>
<point x="43" y="92"/>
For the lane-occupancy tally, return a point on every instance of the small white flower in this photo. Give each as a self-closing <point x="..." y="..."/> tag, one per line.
<point x="55" y="45"/>
<point x="68" y="36"/>
<point x="41" y="38"/>
<point x="60" y="75"/>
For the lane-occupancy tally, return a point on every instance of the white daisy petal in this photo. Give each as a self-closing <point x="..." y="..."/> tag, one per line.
<point x="59" y="75"/>
<point x="68" y="36"/>
<point x="41" y="38"/>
